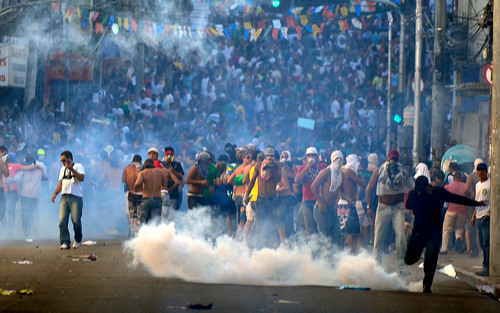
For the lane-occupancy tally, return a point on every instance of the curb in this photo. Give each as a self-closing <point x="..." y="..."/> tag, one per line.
<point x="475" y="281"/>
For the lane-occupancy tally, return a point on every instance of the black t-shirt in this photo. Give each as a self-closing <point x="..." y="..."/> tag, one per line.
<point x="427" y="207"/>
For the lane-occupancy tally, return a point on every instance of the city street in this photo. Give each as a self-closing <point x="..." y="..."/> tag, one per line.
<point x="63" y="281"/>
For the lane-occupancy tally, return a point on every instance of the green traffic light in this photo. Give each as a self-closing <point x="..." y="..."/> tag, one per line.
<point x="275" y="3"/>
<point x="397" y="118"/>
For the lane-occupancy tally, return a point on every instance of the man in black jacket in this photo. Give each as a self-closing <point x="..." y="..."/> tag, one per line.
<point x="426" y="202"/>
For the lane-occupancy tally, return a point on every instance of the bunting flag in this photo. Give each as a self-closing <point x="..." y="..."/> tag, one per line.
<point x="94" y="15"/>
<point x="220" y="30"/>
<point x="69" y="14"/>
<point x="257" y="33"/>
<point x="304" y="20"/>
<point x="299" y="32"/>
<point x="57" y="7"/>
<point x="354" y="14"/>
<point x="85" y="20"/>
<point x="316" y="30"/>
<point x="99" y="28"/>
<point x="356" y="23"/>
<point x="284" y="32"/>
<point x="344" y="11"/>
<point x="275" y="33"/>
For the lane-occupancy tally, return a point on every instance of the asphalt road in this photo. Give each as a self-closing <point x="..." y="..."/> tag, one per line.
<point x="62" y="281"/>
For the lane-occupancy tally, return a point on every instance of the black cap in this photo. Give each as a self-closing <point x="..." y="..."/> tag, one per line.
<point x="481" y="166"/>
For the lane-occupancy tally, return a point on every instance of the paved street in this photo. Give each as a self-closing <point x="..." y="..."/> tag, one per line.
<point x="62" y="281"/>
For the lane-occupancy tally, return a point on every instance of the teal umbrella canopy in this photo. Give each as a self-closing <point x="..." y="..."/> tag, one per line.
<point x="463" y="155"/>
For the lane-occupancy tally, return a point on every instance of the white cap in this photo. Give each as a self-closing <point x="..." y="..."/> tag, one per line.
<point x="311" y="150"/>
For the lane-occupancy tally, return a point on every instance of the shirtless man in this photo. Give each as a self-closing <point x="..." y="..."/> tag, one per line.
<point x="197" y="181"/>
<point x="391" y="182"/>
<point x="269" y="173"/>
<point x="151" y="180"/>
<point x="350" y="182"/>
<point x="326" y="190"/>
<point x="166" y="190"/>
<point x="236" y="179"/>
<point x="286" y="197"/>
<point x="134" y="197"/>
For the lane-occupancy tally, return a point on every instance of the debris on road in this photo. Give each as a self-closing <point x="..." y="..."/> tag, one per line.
<point x="199" y="306"/>
<point x="89" y="243"/>
<point x="485" y="289"/>
<point x="449" y="270"/>
<point x="7" y="292"/>
<point x="23" y="262"/>
<point x="353" y="288"/>
<point x="26" y="292"/>
<point x="288" y="302"/>
<point x="85" y="257"/>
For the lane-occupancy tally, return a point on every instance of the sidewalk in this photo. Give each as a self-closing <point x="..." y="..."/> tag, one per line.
<point x="465" y="266"/>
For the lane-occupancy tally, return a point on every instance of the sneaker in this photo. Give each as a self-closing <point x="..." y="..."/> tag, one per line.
<point x="64" y="246"/>
<point x="76" y="244"/>
<point x="484" y="272"/>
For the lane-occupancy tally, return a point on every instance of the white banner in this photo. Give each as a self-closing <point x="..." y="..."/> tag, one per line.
<point x="18" y="65"/>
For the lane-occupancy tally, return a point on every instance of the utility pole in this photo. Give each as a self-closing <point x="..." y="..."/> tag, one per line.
<point x="438" y="131"/>
<point x="401" y="53"/>
<point x="418" y="77"/>
<point x="495" y="152"/>
<point x="389" y="83"/>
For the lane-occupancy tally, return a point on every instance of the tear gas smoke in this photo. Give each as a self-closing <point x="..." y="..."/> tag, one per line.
<point x="190" y="252"/>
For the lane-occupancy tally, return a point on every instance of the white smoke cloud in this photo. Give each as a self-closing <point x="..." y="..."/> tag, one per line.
<point x="192" y="253"/>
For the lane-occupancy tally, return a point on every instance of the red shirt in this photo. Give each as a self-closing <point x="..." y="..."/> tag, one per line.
<point x="459" y="189"/>
<point x="308" y="180"/>
<point x="13" y="169"/>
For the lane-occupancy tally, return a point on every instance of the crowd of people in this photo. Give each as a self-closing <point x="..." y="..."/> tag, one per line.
<point x="273" y="180"/>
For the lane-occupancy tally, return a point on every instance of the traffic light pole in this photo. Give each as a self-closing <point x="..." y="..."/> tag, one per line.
<point x="389" y="82"/>
<point x="418" y="66"/>
<point x="495" y="151"/>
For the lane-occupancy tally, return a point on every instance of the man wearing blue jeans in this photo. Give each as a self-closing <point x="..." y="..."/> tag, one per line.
<point x="391" y="181"/>
<point x="71" y="177"/>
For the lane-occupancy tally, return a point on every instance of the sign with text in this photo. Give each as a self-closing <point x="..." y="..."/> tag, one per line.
<point x="4" y="65"/>
<point x="18" y="65"/>
<point x="13" y="65"/>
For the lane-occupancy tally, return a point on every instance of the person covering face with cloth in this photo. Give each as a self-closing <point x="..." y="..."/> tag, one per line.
<point x="426" y="202"/>
<point x="391" y="181"/>
<point x="325" y="189"/>
<point x="71" y="177"/>
<point x="306" y="175"/>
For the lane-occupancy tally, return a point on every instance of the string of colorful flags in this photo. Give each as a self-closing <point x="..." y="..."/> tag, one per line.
<point x="312" y="20"/>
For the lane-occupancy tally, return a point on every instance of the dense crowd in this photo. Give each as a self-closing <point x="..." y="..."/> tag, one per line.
<point x="218" y="104"/>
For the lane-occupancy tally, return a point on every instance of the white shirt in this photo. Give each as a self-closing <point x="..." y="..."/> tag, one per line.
<point x="71" y="185"/>
<point x="483" y="194"/>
